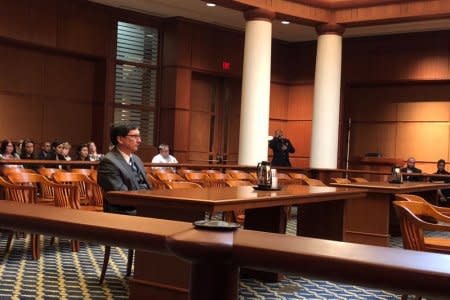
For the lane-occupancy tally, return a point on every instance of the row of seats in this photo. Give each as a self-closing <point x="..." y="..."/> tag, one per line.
<point x="162" y="179"/>
<point x="77" y="189"/>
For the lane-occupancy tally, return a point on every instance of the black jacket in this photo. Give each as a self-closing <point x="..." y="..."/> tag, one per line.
<point x="280" y="156"/>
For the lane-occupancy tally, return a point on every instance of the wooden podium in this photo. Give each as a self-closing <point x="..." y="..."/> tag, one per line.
<point x="379" y="164"/>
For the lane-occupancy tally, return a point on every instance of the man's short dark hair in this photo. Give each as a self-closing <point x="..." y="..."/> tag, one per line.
<point x="441" y="161"/>
<point x="121" y="129"/>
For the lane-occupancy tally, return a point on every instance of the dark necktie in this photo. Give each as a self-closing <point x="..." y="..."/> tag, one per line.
<point x="133" y="165"/>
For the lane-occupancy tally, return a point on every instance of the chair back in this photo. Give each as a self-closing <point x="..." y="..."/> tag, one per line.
<point x="298" y="177"/>
<point x="359" y="179"/>
<point x="313" y="182"/>
<point x="168" y="176"/>
<point x="86" y="172"/>
<point x="37" y="180"/>
<point x="10" y="170"/>
<point x="340" y="180"/>
<point x="82" y="181"/>
<point x="156" y="183"/>
<point x="242" y="176"/>
<point x="175" y="185"/>
<point x="415" y="198"/>
<point x="198" y="177"/>
<point x="411" y="224"/>
<point x="208" y="171"/>
<point x="19" y="193"/>
<point x="67" y="195"/>
<point x="218" y="179"/>
<point x="48" y="172"/>
<point x="233" y="183"/>
<point x="183" y="171"/>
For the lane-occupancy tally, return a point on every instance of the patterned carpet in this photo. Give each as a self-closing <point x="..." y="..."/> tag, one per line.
<point x="61" y="274"/>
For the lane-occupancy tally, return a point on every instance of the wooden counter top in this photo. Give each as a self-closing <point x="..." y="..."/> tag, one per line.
<point x="386" y="187"/>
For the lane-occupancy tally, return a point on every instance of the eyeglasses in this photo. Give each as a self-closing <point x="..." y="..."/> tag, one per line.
<point x="136" y="136"/>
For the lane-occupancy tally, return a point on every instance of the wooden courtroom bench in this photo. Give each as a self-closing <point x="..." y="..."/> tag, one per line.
<point x="217" y="256"/>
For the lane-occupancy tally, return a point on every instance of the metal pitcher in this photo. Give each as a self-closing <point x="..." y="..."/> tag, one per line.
<point x="264" y="174"/>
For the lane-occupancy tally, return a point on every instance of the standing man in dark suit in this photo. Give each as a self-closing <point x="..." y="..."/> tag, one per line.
<point x="281" y="148"/>
<point x="120" y="169"/>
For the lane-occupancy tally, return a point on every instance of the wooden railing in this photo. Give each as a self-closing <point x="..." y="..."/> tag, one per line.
<point x="323" y="174"/>
<point x="217" y="256"/>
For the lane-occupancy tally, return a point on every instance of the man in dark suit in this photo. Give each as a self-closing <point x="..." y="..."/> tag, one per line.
<point x="281" y="148"/>
<point x="120" y="169"/>
<point x="410" y="169"/>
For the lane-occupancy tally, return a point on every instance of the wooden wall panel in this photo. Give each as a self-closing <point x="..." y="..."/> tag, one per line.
<point x="202" y="93"/>
<point x="425" y="141"/>
<point x="68" y="121"/>
<point x="279" y="101"/>
<point x="69" y="78"/>
<point x="180" y="134"/>
<point x="370" y="138"/>
<point x="424" y="111"/>
<point x="199" y="131"/>
<point x="365" y="110"/>
<point x="22" y="70"/>
<point x="301" y="98"/>
<point x="19" y="21"/>
<point x="84" y="28"/>
<point x="20" y="117"/>
<point x="299" y="133"/>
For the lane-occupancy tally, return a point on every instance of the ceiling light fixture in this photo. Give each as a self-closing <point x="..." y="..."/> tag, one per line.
<point x="210" y="4"/>
<point x="284" y="22"/>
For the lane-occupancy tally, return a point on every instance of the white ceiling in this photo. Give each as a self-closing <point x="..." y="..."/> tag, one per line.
<point x="197" y="10"/>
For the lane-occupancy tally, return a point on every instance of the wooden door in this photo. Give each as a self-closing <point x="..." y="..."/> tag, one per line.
<point x="214" y="119"/>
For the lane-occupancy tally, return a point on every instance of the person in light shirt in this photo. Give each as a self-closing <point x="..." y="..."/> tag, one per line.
<point x="164" y="157"/>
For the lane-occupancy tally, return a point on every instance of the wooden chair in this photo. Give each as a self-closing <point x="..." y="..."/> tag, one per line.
<point x="242" y="176"/>
<point x="359" y="179"/>
<point x="9" y="170"/>
<point x="183" y="171"/>
<point x="415" y="198"/>
<point x="298" y="177"/>
<point x="197" y="177"/>
<point x="94" y="175"/>
<point x="313" y="182"/>
<point x="340" y="180"/>
<point x="48" y="172"/>
<point x="284" y="179"/>
<point x="175" y="185"/>
<point x="156" y="183"/>
<point x="90" y="192"/>
<point x="233" y="183"/>
<point x="412" y="225"/>
<point x="168" y="176"/>
<point x="46" y="194"/>
<point x="209" y="171"/>
<point x="86" y="172"/>
<point x="26" y="194"/>
<point x="218" y="179"/>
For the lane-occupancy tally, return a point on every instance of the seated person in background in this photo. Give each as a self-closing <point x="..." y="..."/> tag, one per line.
<point x="281" y="148"/>
<point x="57" y="153"/>
<point x="93" y="155"/>
<point x="46" y="148"/>
<point x="18" y="146"/>
<point x="164" y="158"/>
<point x="8" y="151"/>
<point x="442" y="194"/>
<point x="83" y="155"/>
<point x="411" y="168"/>
<point x="66" y="150"/>
<point x="27" y="152"/>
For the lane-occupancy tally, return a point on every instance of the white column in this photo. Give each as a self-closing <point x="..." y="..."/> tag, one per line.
<point x="327" y="90"/>
<point x="255" y="100"/>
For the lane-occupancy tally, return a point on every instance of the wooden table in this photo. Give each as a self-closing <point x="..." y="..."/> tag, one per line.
<point x="370" y="221"/>
<point x="166" y="277"/>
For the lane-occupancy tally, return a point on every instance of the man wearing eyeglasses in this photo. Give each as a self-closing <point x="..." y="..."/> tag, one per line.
<point x="164" y="157"/>
<point x="120" y="169"/>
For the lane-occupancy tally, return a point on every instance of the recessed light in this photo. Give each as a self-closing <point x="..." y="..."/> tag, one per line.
<point x="284" y="22"/>
<point x="210" y="4"/>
